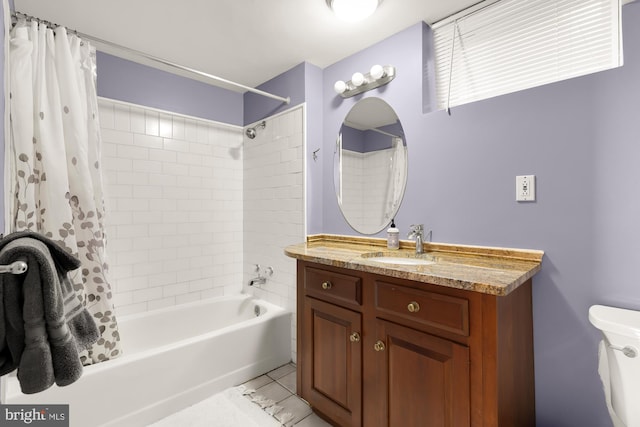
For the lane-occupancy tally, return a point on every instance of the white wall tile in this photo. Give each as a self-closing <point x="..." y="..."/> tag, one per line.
<point x="166" y="126"/>
<point x="147" y="166"/>
<point x="163" y="213"/>
<point x="131" y="152"/>
<point x="188" y="297"/>
<point x="119" y="191"/>
<point x="202" y="132"/>
<point x="131" y="284"/>
<point x="106" y="115"/>
<point x="147" y="191"/>
<point x="175" y="289"/>
<point x="151" y="123"/>
<point x="148" y="141"/>
<point x="212" y="293"/>
<point x="163" y="279"/>
<point x="124" y="310"/>
<point x="188" y="217"/>
<point x="116" y="136"/>
<point x="163" y="155"/>
<point x="137" y="120"/>
<point x="122" y="117"/>
<point x="161" y="303"/>
<point x="178" y="127"/>
<point x="147" y="294"/>
<point x="191" y="130"/>
<point x="189" y="159"/>
<point x="272" y="196"/>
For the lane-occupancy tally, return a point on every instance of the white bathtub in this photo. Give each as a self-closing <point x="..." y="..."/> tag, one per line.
<point x="172" y="358"/>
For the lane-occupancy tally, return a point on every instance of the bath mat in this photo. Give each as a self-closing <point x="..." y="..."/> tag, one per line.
<point x="229" y="408"/>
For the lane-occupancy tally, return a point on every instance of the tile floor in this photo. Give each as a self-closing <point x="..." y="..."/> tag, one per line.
<point x="280" y="385"/>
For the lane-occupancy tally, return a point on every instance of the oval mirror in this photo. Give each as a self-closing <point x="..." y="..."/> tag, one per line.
<point x="370" y="165"/>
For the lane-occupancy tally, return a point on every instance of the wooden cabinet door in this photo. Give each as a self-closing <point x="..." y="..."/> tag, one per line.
<point x="423" y="380"/>
<point x="331" y="361"/>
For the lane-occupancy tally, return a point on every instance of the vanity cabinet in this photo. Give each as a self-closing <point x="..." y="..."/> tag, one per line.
<point x="381" y="351"/>
<point x="333" y="375"/>
<point x="422" y="380"/>
<point x="331" y="322"/>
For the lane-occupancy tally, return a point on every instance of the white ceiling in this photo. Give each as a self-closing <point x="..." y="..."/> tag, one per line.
<point x="246" y="41"/>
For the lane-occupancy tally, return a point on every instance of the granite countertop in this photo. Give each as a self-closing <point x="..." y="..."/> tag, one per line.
<point x="495" y="271"/>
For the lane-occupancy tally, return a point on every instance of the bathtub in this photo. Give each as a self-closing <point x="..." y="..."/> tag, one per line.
<point x="172" y="358"/>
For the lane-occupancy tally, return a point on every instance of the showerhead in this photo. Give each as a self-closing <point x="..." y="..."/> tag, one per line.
<point x="251" y="132"/>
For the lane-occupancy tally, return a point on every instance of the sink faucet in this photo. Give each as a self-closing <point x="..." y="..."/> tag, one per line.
<point x="417" y="231"/>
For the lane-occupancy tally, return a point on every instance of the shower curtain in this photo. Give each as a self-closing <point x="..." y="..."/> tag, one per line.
<point x="397" y="171"/>
<point x="54" y="160"/>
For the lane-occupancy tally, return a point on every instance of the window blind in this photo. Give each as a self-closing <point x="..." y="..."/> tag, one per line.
<point x="513" y="45"/>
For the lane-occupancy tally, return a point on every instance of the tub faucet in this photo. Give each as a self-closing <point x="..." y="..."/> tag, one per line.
<point x="260" y="279"/>
<point x="417" y="231"/>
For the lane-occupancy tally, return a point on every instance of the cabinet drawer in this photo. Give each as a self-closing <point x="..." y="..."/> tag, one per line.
<point x="333" y="287"/>
<point x="423" y="307"/>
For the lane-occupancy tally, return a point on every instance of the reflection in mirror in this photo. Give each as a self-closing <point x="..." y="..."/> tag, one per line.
<point x="370" y="167"/>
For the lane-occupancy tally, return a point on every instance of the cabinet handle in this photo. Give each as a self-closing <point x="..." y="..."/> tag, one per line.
<point x="379" y="346"/>
<point x="326" y="285"/>
<point x="354" y="337"/>
<point x="413" y="307"/>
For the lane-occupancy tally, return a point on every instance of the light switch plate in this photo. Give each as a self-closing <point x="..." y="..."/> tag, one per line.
<point x="526" y="188"/>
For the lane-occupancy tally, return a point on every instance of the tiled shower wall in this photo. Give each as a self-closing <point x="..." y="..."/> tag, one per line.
<point x="274" y="206"/>
<point x="174" y="206"/>
<point x="191" y="206"/>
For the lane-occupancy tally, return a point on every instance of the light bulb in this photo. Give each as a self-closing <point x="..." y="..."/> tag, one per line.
<point x="340" y="87"/>
<point x="357" y="79"/>
<point x="377" y="72"/>
<point x="353" y="10"/>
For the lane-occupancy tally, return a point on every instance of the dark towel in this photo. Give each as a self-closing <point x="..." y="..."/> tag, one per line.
<point x="41" y="314"/>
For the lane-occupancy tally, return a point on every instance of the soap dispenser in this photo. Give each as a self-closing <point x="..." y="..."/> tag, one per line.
<point x="393" y="237"/>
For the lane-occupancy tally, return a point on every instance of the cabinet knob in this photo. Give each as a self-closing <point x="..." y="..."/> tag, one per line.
<point x="326" y="285"/>
<point x="379" y="346"/>
<point x="413" y="307"/>
<point x="354" y="337"/>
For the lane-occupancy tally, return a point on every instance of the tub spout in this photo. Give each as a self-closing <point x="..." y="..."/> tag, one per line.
<point x="258" y="281"/>
<point x="261" y="279"/>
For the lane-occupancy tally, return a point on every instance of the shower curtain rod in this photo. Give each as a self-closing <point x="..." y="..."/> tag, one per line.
<point x="116" y="46"/>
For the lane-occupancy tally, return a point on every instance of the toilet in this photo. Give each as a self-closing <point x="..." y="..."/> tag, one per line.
<point x="619" y="362"/>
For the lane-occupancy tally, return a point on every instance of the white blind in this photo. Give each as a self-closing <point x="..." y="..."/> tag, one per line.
<point x="517" y="44"/>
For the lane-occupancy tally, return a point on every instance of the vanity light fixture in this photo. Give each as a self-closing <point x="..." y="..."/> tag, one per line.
<point x="378" y="76"/>
<point x="353" y="10"/>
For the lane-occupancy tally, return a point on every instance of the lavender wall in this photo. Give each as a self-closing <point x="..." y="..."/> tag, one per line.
<point x="403" y="94"/>
<point x="139" y="84"/>
<point x="314" y="142"/>
<point x="579" y="137"/>
<point x="290" y="84"/>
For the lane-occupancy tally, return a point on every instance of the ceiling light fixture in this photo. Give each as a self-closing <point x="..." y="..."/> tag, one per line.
<point x="353" y="10"/>
<point x="378" y="76"/>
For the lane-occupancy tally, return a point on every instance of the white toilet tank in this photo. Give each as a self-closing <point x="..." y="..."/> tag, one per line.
<point x="620" y="362"/>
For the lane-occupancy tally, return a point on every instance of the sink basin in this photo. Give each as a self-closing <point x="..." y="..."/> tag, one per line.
<point x="405" y="258"/>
